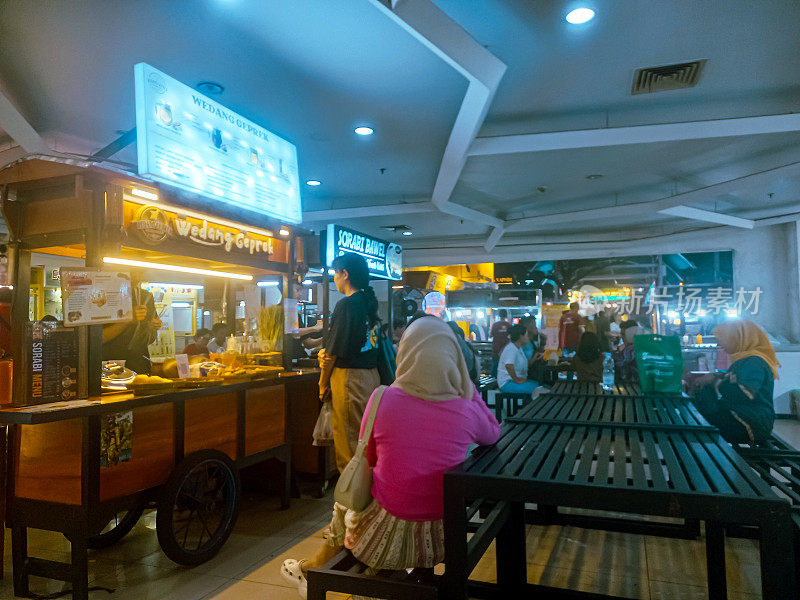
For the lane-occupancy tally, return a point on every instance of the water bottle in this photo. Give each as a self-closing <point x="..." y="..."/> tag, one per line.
<point x="608" y="370"/>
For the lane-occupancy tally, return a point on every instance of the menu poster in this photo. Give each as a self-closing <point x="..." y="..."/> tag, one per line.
<point x="92" y="296"/>
<point x="116" y="439"/>
<point x="53" y="360"/>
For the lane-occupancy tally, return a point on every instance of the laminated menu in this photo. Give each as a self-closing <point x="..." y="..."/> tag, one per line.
<point x="53" y="362"/>
<point x="92" y="296"/>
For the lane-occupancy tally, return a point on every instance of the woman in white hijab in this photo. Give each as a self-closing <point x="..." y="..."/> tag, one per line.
<point x="424" y="424"/>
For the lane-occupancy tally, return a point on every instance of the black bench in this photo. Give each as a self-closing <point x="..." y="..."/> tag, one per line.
<point x="509" y="403"/>
<point x="344" y="574"/>
<point x="777" y="462"/>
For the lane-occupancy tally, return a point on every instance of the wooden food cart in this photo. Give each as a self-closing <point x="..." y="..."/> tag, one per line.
<point x="187" y="445"/>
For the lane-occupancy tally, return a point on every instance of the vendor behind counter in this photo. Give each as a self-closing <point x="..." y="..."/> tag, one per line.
<point x="129" y="341"/>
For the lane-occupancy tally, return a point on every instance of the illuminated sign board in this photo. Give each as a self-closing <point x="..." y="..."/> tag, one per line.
<point x="384" y="259"/>
<point x="188" y="140"/>
<point x="153" y="226"/>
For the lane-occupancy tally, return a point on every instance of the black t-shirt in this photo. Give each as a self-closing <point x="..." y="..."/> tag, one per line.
<point x="350" y="338"/>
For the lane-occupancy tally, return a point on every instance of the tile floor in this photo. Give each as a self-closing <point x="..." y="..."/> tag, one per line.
<point x="247" y="568"/>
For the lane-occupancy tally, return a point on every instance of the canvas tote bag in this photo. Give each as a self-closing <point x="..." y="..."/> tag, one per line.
<point x="354" y="488"/>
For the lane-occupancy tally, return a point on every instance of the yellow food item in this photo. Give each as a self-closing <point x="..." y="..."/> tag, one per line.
<point x="139" y="379"/>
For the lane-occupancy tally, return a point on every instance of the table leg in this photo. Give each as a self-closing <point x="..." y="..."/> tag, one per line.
<point x="778" y="575"/>
<point x="511" y="562"/>
<point x="80" y="569"/>
<point x="287" y="477"/>
<point x="715" y="561"/>
<point x="456" y="573"/>
<point x="19" y="556"/>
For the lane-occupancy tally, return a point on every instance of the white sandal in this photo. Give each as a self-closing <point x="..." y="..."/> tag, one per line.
<point x="292" y="572"/>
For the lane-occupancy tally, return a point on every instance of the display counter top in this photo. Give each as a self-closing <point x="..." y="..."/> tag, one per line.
<point x="118" y="402"/>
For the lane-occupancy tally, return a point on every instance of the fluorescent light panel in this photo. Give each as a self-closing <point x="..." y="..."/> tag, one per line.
<point x="174" y="268"/>
<point x="188" y="286"/>
<point x="144" y="194"/>
<point x="268" y="283"/>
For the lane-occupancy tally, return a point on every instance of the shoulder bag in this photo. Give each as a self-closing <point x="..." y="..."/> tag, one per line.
<point x="354" y="488"/>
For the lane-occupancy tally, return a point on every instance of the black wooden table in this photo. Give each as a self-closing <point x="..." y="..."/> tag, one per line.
<point x="610" y="450"/>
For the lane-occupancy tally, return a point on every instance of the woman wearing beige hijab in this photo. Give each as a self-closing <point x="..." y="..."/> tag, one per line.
<point x="424" y="424"/>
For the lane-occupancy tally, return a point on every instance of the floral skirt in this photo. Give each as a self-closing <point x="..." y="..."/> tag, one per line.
<point x="382" y="541"/>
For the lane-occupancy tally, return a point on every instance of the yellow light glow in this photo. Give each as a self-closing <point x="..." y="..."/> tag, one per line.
<point x="174" y="268"/>
<point x="198" y="215"/>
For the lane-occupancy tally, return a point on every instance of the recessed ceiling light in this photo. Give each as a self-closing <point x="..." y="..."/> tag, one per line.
<point x="364" y="130"/>
<point x="313" y="182"/>
<point x="594" y="176"/>
<point x="580" y="15"/>
<point x="212" y="88"/>
<point x="284" y="231"/>
<point x="408" y="233"/>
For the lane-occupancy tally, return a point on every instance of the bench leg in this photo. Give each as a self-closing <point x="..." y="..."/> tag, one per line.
<point x="512" y="572"/>
<point x="715" y="560"/>
<point x="778" y="575"/>
<point x="457" y="570"/>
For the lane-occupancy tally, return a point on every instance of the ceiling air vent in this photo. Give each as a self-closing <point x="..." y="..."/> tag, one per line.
<point x="668" y="77"/>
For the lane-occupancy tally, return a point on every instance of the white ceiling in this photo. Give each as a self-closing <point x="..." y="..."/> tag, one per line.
<point x="311" y="70"/>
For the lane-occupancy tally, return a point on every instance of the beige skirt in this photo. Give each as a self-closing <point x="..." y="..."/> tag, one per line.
<point x="382" y="541"/>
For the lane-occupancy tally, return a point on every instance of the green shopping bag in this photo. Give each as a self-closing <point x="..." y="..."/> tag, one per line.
<point x="659" y="362"/>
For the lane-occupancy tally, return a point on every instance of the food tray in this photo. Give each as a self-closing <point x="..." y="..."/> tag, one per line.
<point x="148" y="389"/>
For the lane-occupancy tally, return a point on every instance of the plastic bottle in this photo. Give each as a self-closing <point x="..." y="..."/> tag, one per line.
<point x="608" y="370"/>
<point x="699" y="339"/>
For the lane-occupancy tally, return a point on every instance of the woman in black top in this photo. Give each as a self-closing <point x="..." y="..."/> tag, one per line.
<point x="350" y="362"/>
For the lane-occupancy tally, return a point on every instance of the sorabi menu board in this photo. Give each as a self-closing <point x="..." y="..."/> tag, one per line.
<point x="190" y="141"/>
<point x="53" y="372"/>
<point x="92" y="296"/>
<point x="384" y="259"/>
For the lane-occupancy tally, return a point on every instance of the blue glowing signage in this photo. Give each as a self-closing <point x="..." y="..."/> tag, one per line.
<point x="190" y="141"/>
<point x="384" y="259"/>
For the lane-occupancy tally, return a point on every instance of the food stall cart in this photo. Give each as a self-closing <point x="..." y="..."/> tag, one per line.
<point x="87" y="466"/>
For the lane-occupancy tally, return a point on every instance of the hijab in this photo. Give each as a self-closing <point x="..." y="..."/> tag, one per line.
<point x="430" y="364"/>
<point x="749" y="340"/>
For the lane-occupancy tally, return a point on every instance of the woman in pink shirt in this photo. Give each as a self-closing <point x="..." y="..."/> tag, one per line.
<point x="424" y="424"/>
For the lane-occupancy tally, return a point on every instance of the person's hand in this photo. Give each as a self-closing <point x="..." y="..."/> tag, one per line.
<point x="324" y="389"/>
<point x="538" y="356"/>
<point x="155" y="324"/>
<point x="140" y="313"/>
<point x="707" y="379"/>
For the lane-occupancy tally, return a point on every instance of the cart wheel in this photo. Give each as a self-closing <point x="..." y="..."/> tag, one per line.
<point x="118" y="527"/>
<point x="198" y="507"/>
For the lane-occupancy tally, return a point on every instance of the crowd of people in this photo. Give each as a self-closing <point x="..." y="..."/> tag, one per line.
<point x="429" y="416"/>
